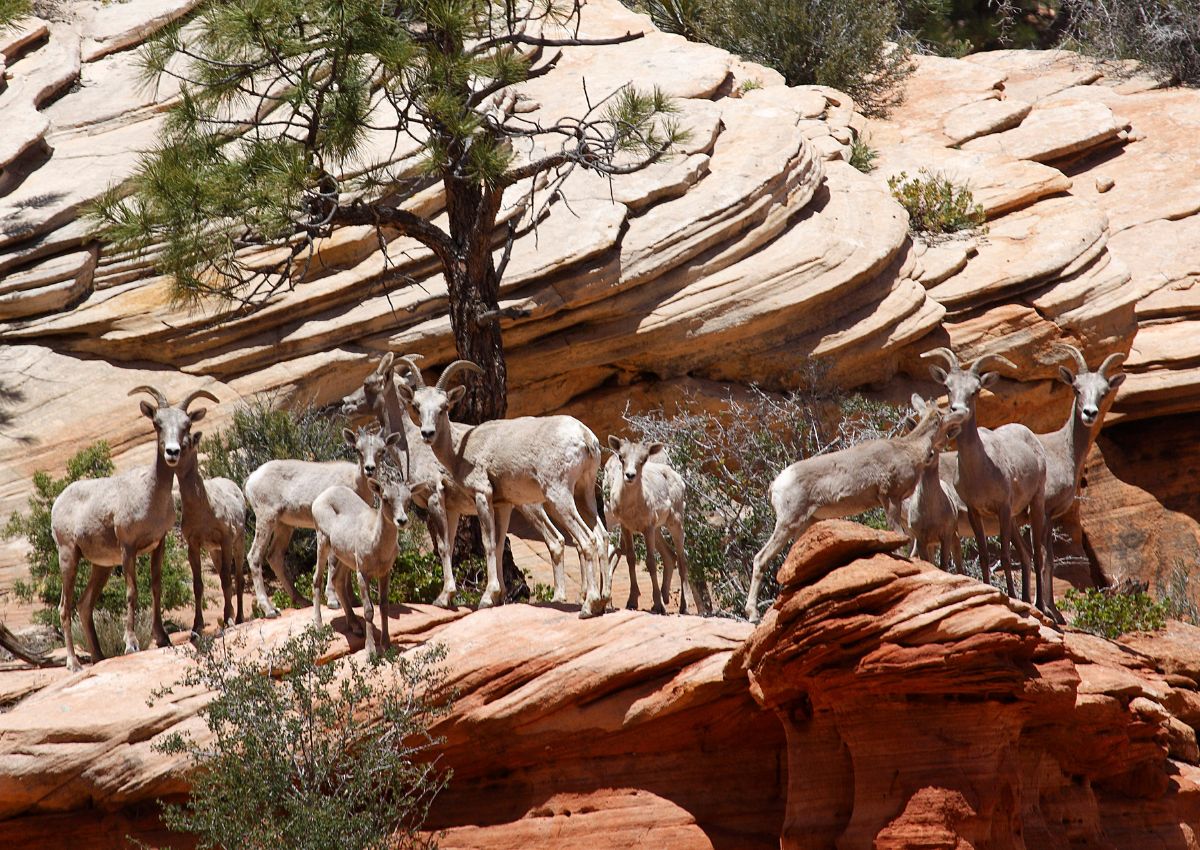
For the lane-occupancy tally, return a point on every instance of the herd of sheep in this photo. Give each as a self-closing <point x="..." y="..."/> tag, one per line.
<point x="546" y="467"/>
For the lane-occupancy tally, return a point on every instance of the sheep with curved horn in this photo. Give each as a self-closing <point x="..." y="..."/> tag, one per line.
<point x="531" y="460"/>
<point x="1001" y="473"/>
<point x="431" y="485"/>
<point x="111" y="521"/>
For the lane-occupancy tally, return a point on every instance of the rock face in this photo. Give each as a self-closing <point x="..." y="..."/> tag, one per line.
<point x="753" y="250"/>
<point x="880" y="703"/>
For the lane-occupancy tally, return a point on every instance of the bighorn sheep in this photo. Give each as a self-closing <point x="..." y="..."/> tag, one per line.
<point x="214" y="521"/>
<point x="504" y="463"/>
<point x="855" y="479"/>
<point x="644" y="495"/>
<point x="111" y="521"/>
<point x="931" y="512"/>
<point x="1001" y="473"/>
<point x="432" y="487"/>
<point x="353" y="536"/>
<point x="281" y="493"/>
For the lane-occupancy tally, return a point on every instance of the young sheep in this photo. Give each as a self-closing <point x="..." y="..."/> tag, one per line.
<point x="111" y="521"/>
<point x="505" y="463"/>
<point x="431" y="485"/>
<point x="352" y="536"/>
<point x="932" y="512"/>
<point x="644" y="495"/>
<point x="281" y="493"/>
<point x="214" y="521"/>
<point x="855" y="479"/>
<point x="1001" y="472"/>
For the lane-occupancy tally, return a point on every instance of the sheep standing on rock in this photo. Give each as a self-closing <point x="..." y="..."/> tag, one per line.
<point x="931" y="512"/>
<point x="281" y="493"/>
<point x="644" y="495"/>
<point x="353" y="536"/>
<point x="856" y="479"/>
<point x="111" y="521"/>
<point x="214" y="521"/>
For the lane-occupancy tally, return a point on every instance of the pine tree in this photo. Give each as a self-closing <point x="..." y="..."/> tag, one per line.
<point x="264" y="148"/>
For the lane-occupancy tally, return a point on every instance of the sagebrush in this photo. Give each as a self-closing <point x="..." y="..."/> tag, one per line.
<point x="1111" y="615"/>
<point x="935" y="204"/>
<point x="310" y="754"/>
<point x="1164" y="36"/>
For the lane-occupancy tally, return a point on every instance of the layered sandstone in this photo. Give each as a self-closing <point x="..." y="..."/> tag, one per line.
<point x="880" y="703"/>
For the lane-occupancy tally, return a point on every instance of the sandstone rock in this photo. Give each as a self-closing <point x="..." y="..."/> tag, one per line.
<point x="120" y="25"/>
<point x="17" y="37"/>
<point x="983" y="118"/>
<point x="1052" y="133"/>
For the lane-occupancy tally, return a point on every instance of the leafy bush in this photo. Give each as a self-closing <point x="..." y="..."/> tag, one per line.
<point x="1179" y="591"/>
<point x="263" y="429"/>
<point x="1164" y="35"/>
<point x="728" y="458"/>
<point x="45" y="576"/>
<point x="310" y="755"/>
<point x="110" y="631"/>
<point x="863" y="156"/>
<point x="1111" y="615"/>
<point x="935" y="205"/>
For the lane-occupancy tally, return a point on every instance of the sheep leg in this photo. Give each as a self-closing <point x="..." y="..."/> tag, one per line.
<point x="319" y="575"/>
<point x="280" y="538"/>
<point x="197" y="589"/>
<point x="87" y="608"/>
<point x="667" y="555"/>
<point x="68" y="561"/>
<point x="985" y="561"/>
<point x="774" y="545"/>
<point x="631" y="560"/>
<point x="438" y="524"/>
<point x="258" y="551"/>
<point x="1006" y="533"/>
<point x="384" y="634"/>
<point x="944" y="555"/>
<point x="364" y="590"/>
<point x="650" y="535"/>
<point x="589" y="544"/>
<point x="222" y="558"/>
<point x="956" y="552"/>
<point x="1042" y="528"/>
<point x="239" y="557"/>
<point x="686" y="577"/>
<point x="591" y="517"/>
<point x="129" y="571"/>
<point x="341" y="587"/>
<point x="493" y="594"/>
<point x="156" y="562"/>
<point x="537" y="516"/>
<point x="503" y="517"/>
<point x="330" y="592"/>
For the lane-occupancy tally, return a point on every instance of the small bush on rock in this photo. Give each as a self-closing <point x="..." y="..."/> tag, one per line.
<point x="1164" y="36"/>
<point x="45" y="576"/>
<point x="1111" y="615"/>
<point x="310" y="754"/>
<point x="935" y="205"/>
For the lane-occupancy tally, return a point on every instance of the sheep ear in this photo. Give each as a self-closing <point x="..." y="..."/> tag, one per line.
<point x="148" y="410"/>
<point x="393" y="439"/>
<point x="918" y="403"/>
<point x="375" y="486"/>
<point x="385" y="365"/>
<point x="952" y="432"/>
<point x="939" y="374"/>
<point x="1066" y="376"/>
<point x="655" y="449"/>
<point x="1116" y="380"/>
<point x="349" y="436"/>
<point x="196" y="436"/>
<point x="197" y="415"/>
<point x="614" y="442"/>
<point x="405" y="391"/>
<point x="989" y="378"/>
<point x="455" y="395"/>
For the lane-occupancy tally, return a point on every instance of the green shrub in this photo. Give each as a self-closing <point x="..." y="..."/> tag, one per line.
<point x="310" y="755"/>
<point x="1164" y="35"/>
<point x="935" y="205"/>
<point x="263" y="429"/>
<point x="1111" y="615"/>
<point x="728" y="458"/>
<point x="863" y="156"/>
<point x="45" y="576"/>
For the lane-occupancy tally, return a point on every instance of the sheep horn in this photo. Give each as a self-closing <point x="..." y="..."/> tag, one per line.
<point x="408" y="362"/>
<point x="946" y="354"/>
<point x="1115" y="359"/>
<point x="456" y="367"/>
<point x="195" y="394"/>
<point x="987" y="360"/>
<point x="1075" y="353"/>
<point x="158" y="396"/>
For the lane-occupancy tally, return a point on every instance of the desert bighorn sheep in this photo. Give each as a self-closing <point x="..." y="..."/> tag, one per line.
<point x="353" y="536"/>
<point x="931" y="512"/>
<point x="432" y="487"/>
<point x="214" y="521"/>
<point x="111" y="521"/>
<point x="281" y="493"/>
<point x="644" y="495"/>
<point x="855" y="479"/>
<point x="1001" y="472"/>
<point x="504" y="463"/>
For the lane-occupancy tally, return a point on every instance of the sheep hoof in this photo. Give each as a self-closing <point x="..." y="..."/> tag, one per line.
<point x="333" y="603"/>
<point x="753" y="616"/>
<point x="74" y="666"/>
<point x="445" y="600"/>
<point x="632" y="604"/>
<point x="490" y="599"/>
<point x="131" y="646"/>
<point x="559" y="597"/>
<point x="658" y="609"/>
<point x="272" y="613"/>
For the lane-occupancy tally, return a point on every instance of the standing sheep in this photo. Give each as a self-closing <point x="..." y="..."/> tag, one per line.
<point x="931" y="511"/>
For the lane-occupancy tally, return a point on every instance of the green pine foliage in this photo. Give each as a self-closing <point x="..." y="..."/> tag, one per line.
<point x="310" y="754"/>
<point x="45" y="578"/>
<point x="1111" y="615"/>
<point x="935" y="205"/>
